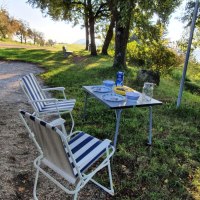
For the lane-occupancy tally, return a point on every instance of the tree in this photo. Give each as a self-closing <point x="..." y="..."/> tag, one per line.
<point x="123" y="12"/>
<point x="109" y="32"/>
<point x="88" y="12"/>
<point x="40" y="39"/>
<point x="7" y="24"/>
<point x="34" y="36"/>
<point x="50" y="42"/>
<point x="187" y="19"/>
<point x="85" y="12"/>
<point x="22" y="32"/>
<point x="188" y="14"/>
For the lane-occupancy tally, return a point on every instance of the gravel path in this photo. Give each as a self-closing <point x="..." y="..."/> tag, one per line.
<point x="16" y="149"/>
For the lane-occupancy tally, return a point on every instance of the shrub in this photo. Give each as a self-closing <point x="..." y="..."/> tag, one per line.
<point x="155" y="56"/>
<point x="192" y="87"/>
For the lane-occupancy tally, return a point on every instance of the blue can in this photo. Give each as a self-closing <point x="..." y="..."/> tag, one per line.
<point x="120" y="79"/>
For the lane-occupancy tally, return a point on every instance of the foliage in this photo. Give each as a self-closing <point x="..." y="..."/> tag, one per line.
<point x="167" y="170"/>
<point x="187" y="19"/>
<point x="154" y="56"/>
<point x="140" y="17"/>
<point x="8" y="25"/>
<point x="148" y="48"/>
<point x="50" y="42"/>
<point x="192" y="87"/>
<point x="188" y="14"/>
<point x="84" y="12"/>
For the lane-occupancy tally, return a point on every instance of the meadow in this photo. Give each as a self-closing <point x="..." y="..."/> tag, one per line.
<point x="170" y="168"/>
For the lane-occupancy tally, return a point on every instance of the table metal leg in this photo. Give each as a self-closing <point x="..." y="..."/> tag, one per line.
<point x="150" y="126"/>
<point x="85" y="105"/>
<point x="118" y="116"/>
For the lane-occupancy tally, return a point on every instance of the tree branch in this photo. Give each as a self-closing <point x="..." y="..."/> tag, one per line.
<point x="100" y="10"/>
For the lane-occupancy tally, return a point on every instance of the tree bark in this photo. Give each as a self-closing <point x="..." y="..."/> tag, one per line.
<point x="121" y="39"/>
<point x="86" y="33"/>
<point x="91" y="25"/>
<point x="92" y="38"/>
<point x="21" y="39"/>
<point x="109" y="36"/>
<point x="86" y="26"/>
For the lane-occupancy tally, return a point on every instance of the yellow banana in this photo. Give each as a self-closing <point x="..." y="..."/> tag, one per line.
<point x="122" y="90"/>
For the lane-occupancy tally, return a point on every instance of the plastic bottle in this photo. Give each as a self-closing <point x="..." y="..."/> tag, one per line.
<point x="120" y="79"/>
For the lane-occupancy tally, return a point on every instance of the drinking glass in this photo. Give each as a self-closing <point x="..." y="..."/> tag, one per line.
<point x="147" y="91"/>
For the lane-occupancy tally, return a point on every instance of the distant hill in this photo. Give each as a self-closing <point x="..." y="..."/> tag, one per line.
<point x="82" y="41"/>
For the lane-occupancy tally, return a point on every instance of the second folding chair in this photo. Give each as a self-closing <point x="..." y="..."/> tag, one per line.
<point x="44" y="106"/>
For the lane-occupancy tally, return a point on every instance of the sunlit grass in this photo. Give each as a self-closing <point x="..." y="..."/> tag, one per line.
<point x="167" y="170"/>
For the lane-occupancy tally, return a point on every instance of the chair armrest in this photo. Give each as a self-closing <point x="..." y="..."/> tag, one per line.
<point x="43" y="100"/>
<point x="68" y="100"/>
<point x="62" y="89"/>
<point x="57" y="122"/>
<point x="73" y="133"/>
<point x="55" y="88"/>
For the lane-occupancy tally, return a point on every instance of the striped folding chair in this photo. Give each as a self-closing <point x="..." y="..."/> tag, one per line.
<point x="46" y="106"/>
<point x="70" y="157"/>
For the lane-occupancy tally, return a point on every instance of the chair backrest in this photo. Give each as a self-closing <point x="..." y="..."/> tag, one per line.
<point x="49" y="141"/>
<point x="33" y="90"/>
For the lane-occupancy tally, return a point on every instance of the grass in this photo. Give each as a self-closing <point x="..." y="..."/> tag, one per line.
<point x="170" y="169"/>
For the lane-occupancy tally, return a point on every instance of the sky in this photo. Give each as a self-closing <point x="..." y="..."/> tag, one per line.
<point x="62" y="31"/>
<point x="56" y="30"/>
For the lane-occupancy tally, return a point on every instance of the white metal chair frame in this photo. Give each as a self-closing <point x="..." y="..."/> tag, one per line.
<point x="81" y="179"/>
<point x="37" y="113"/>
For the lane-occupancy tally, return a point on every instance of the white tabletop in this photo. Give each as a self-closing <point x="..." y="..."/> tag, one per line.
<point x="127" y="103"/>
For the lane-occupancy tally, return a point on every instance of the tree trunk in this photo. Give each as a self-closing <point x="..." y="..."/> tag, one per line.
<point x="92" y="38"/>
<point x="91" y="26"/>
<point x="86" y="26"/>
<point x="109" y="36"/>
<point x="21" y="38"/>
<point x="86" y="33"/>
<point x="121" y="39"/>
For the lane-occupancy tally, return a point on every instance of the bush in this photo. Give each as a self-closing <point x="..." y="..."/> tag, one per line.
<point x="192" y="87"/>
<point x="177" y="75"/>
<point x="155" y="56"/>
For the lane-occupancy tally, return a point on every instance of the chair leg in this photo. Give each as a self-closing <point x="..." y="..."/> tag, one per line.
<point x="76" y="196"/>
<point x="63" y="129"/>
<point x="110" y="178"/>
<point x="35" y="185"/>
<point x="78" y="187"/>
<point x="72" y="123"/>
<point x="111" y="190"/>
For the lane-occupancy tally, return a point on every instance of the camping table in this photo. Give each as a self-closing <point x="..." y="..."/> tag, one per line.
<point x="119" y="106"/>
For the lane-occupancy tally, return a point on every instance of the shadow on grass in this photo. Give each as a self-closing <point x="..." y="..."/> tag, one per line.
<point x="164" y="171"/>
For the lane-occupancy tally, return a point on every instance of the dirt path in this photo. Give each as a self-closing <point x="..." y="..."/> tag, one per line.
<point x="16" y="149"/>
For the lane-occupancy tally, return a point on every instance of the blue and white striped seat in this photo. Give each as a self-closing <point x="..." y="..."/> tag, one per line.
<point x="61" y="105"/>
<point x="70" y="157"/>
<point x="86" y="150"/>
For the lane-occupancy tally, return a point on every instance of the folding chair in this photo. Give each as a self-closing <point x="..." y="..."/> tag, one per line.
<point x="46" y="106"/>
<point x="70" y="157"/>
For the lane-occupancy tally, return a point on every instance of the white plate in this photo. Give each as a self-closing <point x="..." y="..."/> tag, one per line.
<point x="113" y="97"/>
<point x="101" y="89"/>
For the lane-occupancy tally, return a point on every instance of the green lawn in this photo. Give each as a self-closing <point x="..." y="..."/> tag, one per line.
<point x="170" y="169"/>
